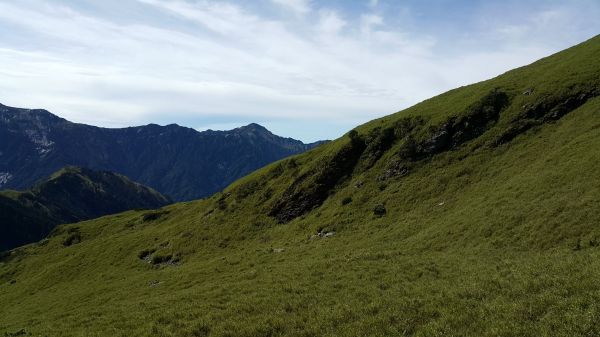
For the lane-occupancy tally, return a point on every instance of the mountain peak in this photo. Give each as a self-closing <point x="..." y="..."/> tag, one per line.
<point x="23" y="114"/>
<point x="254" y="127"/>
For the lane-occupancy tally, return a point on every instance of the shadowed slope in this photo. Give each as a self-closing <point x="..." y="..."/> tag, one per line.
<point x="69" y="195"/>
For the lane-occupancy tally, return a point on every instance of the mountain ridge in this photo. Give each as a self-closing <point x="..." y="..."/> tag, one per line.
<point x="69" y="195"/>
<point x="175" y="160"/>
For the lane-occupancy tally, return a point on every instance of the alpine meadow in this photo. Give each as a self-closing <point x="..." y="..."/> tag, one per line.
<point x="473" y="213"/>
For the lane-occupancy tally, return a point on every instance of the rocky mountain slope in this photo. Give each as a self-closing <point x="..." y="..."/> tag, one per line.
<point x="179" y="162"/>
<point x="70" y="195"/>
<point x="474" y="213"/>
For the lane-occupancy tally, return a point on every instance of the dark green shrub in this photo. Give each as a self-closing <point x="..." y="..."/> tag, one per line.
<point x="200" y="330"/>
<point x="409" y="149"/>
<point x="247" y="189"/>
<point x="292" y="163"/>
<point x="577" y="245"/>
<point x="267" y="194"/>
<point x="21" y="332"/>
<point x="4" y="255"/>
<point x="73" y="237"/>
<point x="222" y="204"/>
<point x="144" y="254"/>
<point x="159" y="259"/>
<point x="153" y="216"/>
<point x="379" y="210"/>
<point x="346" y="200"/>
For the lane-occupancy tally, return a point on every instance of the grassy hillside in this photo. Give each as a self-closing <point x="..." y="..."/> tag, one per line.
<point x="474" y="213"/>
<point x="70" y="195"/>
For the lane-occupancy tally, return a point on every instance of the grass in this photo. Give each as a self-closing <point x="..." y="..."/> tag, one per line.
<point x="477" y="239"/>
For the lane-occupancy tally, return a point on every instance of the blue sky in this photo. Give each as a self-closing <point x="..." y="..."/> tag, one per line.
<point x="305" y="69"/>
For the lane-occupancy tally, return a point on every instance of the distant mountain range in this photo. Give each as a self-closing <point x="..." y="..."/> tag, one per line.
<point x="69" y="195"/>
<point x="177" y="161"/>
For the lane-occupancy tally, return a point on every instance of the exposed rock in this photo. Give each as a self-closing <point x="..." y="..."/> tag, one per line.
<point x="378" y="141"/>
<point x="146" y="255"/>
<point x="458" y="130"/>
<point x="154" y="283"/>
<point x="546" y="110"/>
<point x="397" y="168"/>
<point x="516" y="128"/>
<point x="452" y="133"/>
<point x="311" y="189"/>
<point x="323" y="234"/>
<point x="5" y="177"/>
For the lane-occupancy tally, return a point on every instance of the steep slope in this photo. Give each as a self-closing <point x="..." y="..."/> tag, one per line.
<point x="176" y="161"/>
<point x="70" y="195"/>
<point x="474" y="213"/>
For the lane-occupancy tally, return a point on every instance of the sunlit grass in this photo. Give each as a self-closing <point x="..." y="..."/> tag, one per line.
<point x="480" y="240"/>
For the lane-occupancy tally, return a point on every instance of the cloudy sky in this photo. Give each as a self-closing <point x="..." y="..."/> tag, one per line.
<point x="308" y="69"/>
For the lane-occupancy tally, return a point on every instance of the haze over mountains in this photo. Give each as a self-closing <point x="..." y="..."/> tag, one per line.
<point x="473" y="213"/>
<point x="177" y="161"/>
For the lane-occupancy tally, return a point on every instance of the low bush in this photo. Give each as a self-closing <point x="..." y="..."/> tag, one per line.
<point x="153" y="216"/>
<point x="73" y="237"/>
<point x="379" y="210"/>
<point x="159" y="259"/>
<point x="144" y="254"/>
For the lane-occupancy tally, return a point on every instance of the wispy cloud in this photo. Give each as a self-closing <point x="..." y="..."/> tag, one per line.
<point x="216" y="63"/>
<point x="298" y="6"/>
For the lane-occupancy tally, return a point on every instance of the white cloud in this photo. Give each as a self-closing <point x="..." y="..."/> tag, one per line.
<point x="207" y="62"/>
<point x="298" y="6"/>
<point x="330" y="22"/>
<point x="369" y="21"/>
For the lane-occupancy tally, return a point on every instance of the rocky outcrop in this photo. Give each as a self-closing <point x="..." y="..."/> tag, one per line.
<point x="311" y="189"/>
<point x="546" y="109"/>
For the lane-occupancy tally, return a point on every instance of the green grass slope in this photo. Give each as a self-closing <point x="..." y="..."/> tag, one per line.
<point x="474" y="213"/>
<point x="70" y="195"/>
